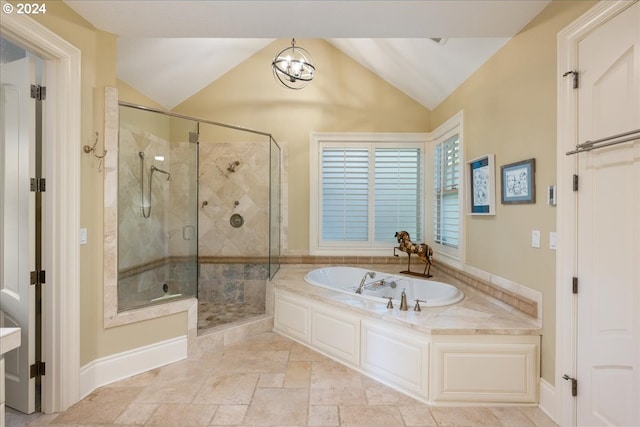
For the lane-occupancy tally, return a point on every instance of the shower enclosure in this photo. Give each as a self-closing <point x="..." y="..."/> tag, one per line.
<point x="198" y="214"/>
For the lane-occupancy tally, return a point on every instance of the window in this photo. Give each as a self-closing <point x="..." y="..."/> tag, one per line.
<point x="365" y="188"/>
<point x="446" y="227"/>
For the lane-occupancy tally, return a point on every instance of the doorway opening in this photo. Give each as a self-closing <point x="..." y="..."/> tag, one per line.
<point x="61" y="148"/>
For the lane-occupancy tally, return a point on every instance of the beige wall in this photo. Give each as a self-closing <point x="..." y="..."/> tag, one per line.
<point x="343" y="97"/>
<point x="98" y="70"/>
<point x="510" y="109"/>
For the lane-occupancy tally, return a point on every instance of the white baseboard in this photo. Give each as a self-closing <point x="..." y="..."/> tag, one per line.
<point x="548" y="399"/>
<point x="109" y="369"/>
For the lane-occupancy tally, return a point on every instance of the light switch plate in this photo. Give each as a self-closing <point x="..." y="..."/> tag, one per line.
<point x="535" y="238"/>
<point x="83" y="236"/>
<point x="553" y="240"/>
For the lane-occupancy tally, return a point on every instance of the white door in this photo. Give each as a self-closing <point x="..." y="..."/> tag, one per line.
<point x="608" y="346"/>
<point x="17" y="220"/>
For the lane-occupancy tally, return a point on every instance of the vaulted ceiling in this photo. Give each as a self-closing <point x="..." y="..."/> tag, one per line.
<point x="184" y="40"/>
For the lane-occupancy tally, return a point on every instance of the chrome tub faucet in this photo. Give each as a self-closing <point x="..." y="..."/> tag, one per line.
<point x="371" y="274"/>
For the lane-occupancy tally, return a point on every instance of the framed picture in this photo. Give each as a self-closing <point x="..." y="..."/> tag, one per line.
<point x="518" y="182"/>
<point x="481" y="178"/>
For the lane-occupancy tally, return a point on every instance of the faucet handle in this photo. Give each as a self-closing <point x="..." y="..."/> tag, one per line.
<point x="390" y="303"/>
<point x="417" y="306"/>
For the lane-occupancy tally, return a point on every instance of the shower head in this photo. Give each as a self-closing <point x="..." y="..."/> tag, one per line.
<point x="141" y="154"/>
<point x="155" y="169"/>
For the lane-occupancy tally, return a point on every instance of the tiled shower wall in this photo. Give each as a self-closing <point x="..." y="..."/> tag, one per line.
<point x="233" y="266"/>
<point x="154" y="251"/>
<point x="151" y="250"/>
<point x="220" y="189"/>
<point x="141" y="240"/>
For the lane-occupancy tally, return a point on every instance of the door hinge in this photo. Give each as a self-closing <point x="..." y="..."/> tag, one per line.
<point x="575" y="182"/>
<point x="37" y="370"/>
<point x="38" y="185"/>
<point x="576" y="78"/>
<point x="39" y="93"/>
<point x="574" y="285"/>
<point x="574" y="384"/>
<point x="37" y="277"/>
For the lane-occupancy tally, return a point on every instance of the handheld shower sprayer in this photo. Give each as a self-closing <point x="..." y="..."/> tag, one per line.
<point x="155" y="169"/>
<point x="146" y="207"/>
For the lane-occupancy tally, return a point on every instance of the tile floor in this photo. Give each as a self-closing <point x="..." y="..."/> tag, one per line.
<point x="267" y="380"/>
<point x="212" y="314"/>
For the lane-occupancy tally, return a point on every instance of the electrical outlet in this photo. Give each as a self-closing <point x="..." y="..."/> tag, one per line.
<point x="535" y="238"/>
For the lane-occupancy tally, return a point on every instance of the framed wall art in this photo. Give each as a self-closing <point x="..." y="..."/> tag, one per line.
<point x="518" y="182"/>
<point x="481" y="188"/>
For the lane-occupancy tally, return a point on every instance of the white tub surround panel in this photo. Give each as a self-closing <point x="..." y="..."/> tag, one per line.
<point x="485" y="368"/>
<point x="397" y="357"/>
<point x="475" y="352"/>
<point x="335" y="332"/>
<point x="292" y="316"/>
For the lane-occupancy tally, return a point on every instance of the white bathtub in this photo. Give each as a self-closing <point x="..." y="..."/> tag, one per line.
<point x="347" y="279"/>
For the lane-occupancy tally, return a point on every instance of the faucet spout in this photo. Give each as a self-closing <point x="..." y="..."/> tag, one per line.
<point x="403" y="301"/>
<point x="371" y="274"/>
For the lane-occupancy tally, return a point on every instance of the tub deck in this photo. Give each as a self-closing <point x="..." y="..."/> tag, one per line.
<point x="476" y="314"/>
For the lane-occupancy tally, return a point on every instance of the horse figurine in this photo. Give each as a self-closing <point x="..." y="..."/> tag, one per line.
<point x="424" y="252"/>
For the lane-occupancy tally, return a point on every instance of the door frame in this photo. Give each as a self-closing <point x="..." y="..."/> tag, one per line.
<point x="61" y="225"/>
<point x="565" y="411"/>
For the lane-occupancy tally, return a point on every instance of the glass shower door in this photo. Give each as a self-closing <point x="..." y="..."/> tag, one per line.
<point x="157" y="208"/>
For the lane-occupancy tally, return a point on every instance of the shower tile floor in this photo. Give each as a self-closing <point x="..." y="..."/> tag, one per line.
<point x="267" y="380"/>
<point x="215" y="314"/>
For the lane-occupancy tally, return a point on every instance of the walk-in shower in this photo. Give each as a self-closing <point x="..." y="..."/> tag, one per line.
<point x="198" y="214"/>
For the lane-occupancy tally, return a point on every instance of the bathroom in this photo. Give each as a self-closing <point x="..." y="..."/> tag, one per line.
<point x="503" y="116"/>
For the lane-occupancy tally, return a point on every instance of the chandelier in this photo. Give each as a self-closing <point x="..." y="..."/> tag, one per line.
<point x="293" y="67"/>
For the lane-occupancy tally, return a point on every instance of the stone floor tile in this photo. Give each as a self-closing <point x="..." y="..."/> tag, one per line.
<point x="379" y="394"/>
<point x="171" y="391"/>
<point x="268" y="380"/>
<point x="452" y="417"/>
<point x="251" y="361"/>
<point x="330" y="374"/>
<point x="302" y="353"/>
<point x="512" y="417"/>
<point x="370" y="416"/>
<point x="416" y="415"/>
<point x="278" y="407"/>
<point x="229" y="415"/>
<point x="173" y="414"/>
<point x="137" y="414"/>
<point x="298" y="375"/>
<point x="103" y="406"/>
<point x="323" y="415"/>
<point x="538" y="417"/>
<point x="337" y="396"/>
<point x="232" y="389"/>
<point x="271" y="380"/>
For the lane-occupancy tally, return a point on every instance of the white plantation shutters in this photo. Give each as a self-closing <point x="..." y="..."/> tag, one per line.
<point x="345" y="194"/>
<point x="447" y="182"/>
<point x="398" y="193"/>
<point x="369" y="191"/>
